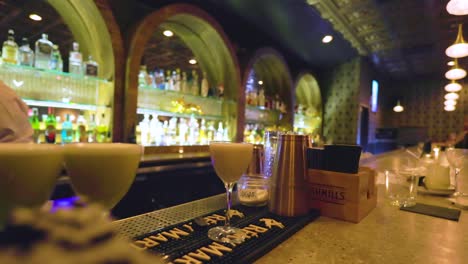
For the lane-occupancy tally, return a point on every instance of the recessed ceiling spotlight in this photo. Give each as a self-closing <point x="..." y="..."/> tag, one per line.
<point x="168" y="33"/>
<point x="192" y="61"/>
<point x="35" y="17"/>
<point x="260" y="82"/>
<point x="450" y="63"/>
<point x="327" y="39"/>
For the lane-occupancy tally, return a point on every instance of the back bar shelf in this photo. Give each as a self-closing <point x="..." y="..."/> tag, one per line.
<point x="46" y="88"/>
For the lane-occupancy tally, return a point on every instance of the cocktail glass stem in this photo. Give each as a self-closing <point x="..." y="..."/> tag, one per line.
<point x="229" y="187"/>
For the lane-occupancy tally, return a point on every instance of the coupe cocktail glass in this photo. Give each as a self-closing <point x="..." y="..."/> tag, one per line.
<point x="230" y="160"/>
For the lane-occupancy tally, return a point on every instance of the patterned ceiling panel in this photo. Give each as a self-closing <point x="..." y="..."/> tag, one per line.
<point x="402" y="37"/>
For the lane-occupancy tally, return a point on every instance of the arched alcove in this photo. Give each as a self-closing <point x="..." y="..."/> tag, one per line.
<point x="308" y="109"/>
<point x="267" y="70"/>
<point x="208" y="43"/>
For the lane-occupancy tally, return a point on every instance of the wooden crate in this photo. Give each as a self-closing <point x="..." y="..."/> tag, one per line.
<point x="343" y="196"/>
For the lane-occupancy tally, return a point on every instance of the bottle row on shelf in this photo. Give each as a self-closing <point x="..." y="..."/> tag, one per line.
<point x="165" y="131"/>
<point x="46" y="56"/>
<point x="49" y="128"/>
<point x="180" y="81"/>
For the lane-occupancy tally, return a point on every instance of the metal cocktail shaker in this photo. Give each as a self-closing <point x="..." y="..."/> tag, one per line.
<point x="288" y="186"/>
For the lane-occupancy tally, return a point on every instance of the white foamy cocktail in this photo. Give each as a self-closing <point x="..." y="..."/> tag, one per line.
<point x="230" y="160"/>
<point x="102" y="172"/>
<point x="28" y="173"/>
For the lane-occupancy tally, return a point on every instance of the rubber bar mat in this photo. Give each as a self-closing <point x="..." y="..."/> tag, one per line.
<point x="187" y="242"/>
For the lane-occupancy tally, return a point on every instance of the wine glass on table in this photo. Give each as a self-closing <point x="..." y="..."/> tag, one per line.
<point x="456" y="159"/>
<point x="230" y="160"/>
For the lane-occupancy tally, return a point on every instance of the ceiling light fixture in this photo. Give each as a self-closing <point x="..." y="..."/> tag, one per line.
<point x="450" y="63"/>
<point x="168" y="33"/>
<point x="260" y="82"/>
<point x="453" y="87"/>
<point x="451" y="96"/>
<point x="459" y="48"/>
<point x="455" y="72"/>
<point x="192" y="61"/>
<point x="450" y="102"/>
<point x="457" y="7"/>
<point x="449" y="108"/>
<point x="327" y="39"/>
<point x="35" y="17"/>
<point x="398" y="107"/>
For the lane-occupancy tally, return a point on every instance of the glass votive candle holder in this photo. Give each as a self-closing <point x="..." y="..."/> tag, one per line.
<point x="253" y="186"/>
<point x="253" y="190"/>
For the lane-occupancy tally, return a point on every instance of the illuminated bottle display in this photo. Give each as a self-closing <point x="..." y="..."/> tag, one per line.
<point x="102" y="129"/>
<point x="91" y="67"/>
<point x="92" y="129"/>
<point x="51" y="124"/>
<point x="56" y="63"/>
<point x="75" y="60"/>
<point x="43" y="52"/>
<point x="35" y="124"/>
<point x="10" y="49"/>
<point x="67" y="130"/>
<point x="26" y="54"/>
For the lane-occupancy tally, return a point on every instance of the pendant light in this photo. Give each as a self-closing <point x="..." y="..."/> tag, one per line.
<point x="398" y="107"/>
<point x="457" y="7"/>
<point x="451" y="96"/>
<point x="453" y="87"/>
<point x="459" y="48"/>
<point x="449" y="108"/>
<point x="450" y="102"/>
<point x="455" y="72"/>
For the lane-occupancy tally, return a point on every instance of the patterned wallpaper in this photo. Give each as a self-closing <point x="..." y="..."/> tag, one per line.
<point x="424" y="103"/>
<point x="341" y="103"/>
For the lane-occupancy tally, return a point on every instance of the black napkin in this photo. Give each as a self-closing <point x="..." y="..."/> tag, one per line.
<point x="432" y="210"/>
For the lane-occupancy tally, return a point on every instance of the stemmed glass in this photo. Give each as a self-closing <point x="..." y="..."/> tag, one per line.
<point x="456" y="158"/>
<point x="230" y="160"/>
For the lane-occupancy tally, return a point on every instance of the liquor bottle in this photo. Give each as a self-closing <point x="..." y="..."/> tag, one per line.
<point x="43" y="52"/>
<point x="183" y="83"/>
<point x="102" y="129"/>
<point x="81" y="134"/>
<point x="144" y="130"/>
<point x="26" y="54"/>
<point x="183" y="129"/>
<point x="202" y="136"/>
<point x="211" y="131"/>
<point x="91" y="67"/>
<point x="56" y="63"/>
<point x="195" y="88"/>
<point x="261" y="98"/>
<point x="176" y="79"/>
<point x="220" y="131"/>
<point x="204" y="86"/>
<point x="161" y="81"/>
<point x="10" y="49"/>
<point x="67" y="130"/>
<point x="75" y="60"/>
<point x="35" y="124"/>
<point x="92" y="129"/>
<point x="51" y="123"/>
<point x="142" y="76"/>
<point x="169" y="81"/>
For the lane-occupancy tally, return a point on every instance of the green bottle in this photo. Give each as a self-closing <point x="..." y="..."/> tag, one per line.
<point x="51" y="124"/>
<point x="35" y="124"/>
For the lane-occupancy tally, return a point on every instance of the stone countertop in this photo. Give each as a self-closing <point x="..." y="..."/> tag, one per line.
<point x="386" y="235"/>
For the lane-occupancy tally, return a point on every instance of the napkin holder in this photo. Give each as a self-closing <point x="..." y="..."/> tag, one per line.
<point x="344" y="196"/>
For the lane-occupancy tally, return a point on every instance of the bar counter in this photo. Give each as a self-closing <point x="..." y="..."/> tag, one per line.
<point x="386" y="235"/>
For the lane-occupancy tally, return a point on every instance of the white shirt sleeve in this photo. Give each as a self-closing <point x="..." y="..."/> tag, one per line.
<point x="14" y="122"/>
